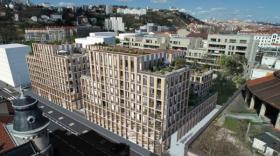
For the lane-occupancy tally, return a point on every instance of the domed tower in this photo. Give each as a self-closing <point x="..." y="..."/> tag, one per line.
<point x="30" y="125"/>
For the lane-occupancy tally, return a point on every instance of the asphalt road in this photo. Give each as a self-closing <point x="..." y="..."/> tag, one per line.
<point x="62" y="119"/>
<point x="58" y="120"/>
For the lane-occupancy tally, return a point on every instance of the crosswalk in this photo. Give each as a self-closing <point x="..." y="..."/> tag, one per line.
<point x="11" y="98"/>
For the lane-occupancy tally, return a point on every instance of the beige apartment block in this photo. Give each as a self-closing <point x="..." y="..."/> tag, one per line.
<point x="185" y="43"/>
<point x="146" y="41"/>
<point x="243" y="45"/>
<point x="134" y="94"/>
<point x="50" y="33"/>
<point x="55" y="72"/>
<point x="201" y="82"/>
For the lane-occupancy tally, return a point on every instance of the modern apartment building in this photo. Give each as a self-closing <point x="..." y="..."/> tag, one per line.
<point x="161" y="42"/>
<point x="123" y="95"/>
<point x="146" y="41"/>
<point x="55" y="72"/>
<point x="114" y="23"/>
<point x="184" y="43"/>
<point x="153" y="27"/>
<point x="269" y="64"/>
<point x="268" y="40"/>
<point x="107" y="38"/>
<point x="201" y="82"/>
<point x="13" y="64"/>
<point x="49" y="34"/>
<point x="132" y="11"/>
<point x="201" y="57"/>
<point x="243" y="45"/>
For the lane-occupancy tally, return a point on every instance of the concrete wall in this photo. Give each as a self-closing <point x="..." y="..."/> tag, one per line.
<point x="13" y="65"/>
<point x="259" y="145"/>
<point x="258" y="73"/>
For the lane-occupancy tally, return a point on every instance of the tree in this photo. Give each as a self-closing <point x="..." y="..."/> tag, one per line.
<point x="179" y="63"/>
<point x="232" y="65"/>
<point x="118" y="41"/>
<point x="238" y="80"/>
<point x="233" y="68"/>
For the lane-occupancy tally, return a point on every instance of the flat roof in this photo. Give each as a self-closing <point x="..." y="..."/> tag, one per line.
<point x="128" y="51"/>
<point x="14" y="45"/>
<point x="272" y="139"/>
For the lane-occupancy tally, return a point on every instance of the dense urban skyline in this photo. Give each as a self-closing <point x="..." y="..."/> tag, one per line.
<point x="258" y="10"/>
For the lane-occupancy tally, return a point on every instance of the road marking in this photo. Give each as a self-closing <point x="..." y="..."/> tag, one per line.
<point x="41" y="106"/>
<point x="61" y="118"/>
<point x="61" y="124"/>
<point x="85" y="131"/>
<point x="7" y="90"/>
<point x="50" y="112"/>
<point x="11" y="98"/>
<point x="71" y="124"/>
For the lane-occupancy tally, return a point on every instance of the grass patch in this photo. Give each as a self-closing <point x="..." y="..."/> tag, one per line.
<point x="231" y="124"/>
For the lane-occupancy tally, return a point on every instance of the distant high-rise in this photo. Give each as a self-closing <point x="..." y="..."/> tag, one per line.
<point x="114" y="23"/>
<point x="108" y="9"/>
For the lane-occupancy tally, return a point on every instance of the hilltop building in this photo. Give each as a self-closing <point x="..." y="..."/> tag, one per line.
<point x="114" y="23"/>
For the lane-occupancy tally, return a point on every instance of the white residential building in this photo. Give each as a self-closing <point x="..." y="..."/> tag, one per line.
<point x="97" y="38"/>
<point x="146" y="41"/>
<point x="243" y="45"/>
<point x="122" y="36"/>
<point x="269" y="65"/>
<point x="184" y="43"/>
<point x="114" y="23"/>
<point x="92" y="40"/>
<point x="103" y="34"/>
<point x="108" y="9"/>
<point x="152" y="27"/>
<point x="13" y="64"/>
<point x="267" y="143"/>
<point x="268" y="40"/>
<point x="56" y="17"/>
<point x="138" y="12"/>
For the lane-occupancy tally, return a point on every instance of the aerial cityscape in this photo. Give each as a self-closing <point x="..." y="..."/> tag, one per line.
<point x="139" y="78"/>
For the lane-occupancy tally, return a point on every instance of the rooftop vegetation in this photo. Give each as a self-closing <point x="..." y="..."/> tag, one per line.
<point x="162" y="68"/>
<point x="125" y="50"/>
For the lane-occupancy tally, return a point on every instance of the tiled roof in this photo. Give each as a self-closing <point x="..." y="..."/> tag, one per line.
<point x="201" y="35"/>
<point x="267" y="89"/>
<point x="6" y="142"/>
<point x="6" y="119"/>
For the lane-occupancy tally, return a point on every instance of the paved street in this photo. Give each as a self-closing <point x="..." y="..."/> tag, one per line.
<point x="62" y="119"/>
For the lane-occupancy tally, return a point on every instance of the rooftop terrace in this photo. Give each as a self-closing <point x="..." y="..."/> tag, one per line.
<point x="123" y="50"/>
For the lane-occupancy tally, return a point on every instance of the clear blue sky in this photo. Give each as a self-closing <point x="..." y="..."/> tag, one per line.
<point x="261" y="10"/>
